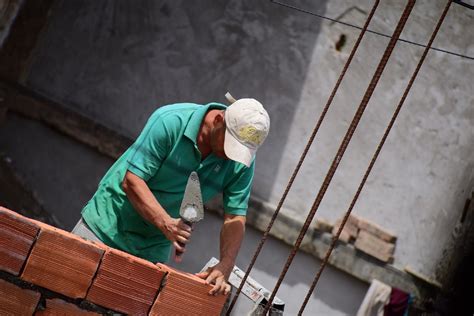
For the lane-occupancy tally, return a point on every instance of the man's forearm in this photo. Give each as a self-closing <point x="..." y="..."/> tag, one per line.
<point x="144" y="201"/>
<point x="232" y="234"/>
<point x="151" y="210"/>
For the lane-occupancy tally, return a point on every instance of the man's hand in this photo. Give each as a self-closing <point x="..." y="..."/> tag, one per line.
<point x="217" y="275"/>
<point x="151" y="210"/>
<point x="232" y="233"/>
<point x="177" y="232"/>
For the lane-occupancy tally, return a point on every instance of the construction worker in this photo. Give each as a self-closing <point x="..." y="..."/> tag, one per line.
<point x="136" y="205"/>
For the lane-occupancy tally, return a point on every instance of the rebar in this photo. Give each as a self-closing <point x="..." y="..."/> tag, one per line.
<point x="374" y="158"/>
<point x="344" y="144"/>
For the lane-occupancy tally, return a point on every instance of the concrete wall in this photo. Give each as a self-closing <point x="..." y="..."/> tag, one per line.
<point x="116" y="61"/>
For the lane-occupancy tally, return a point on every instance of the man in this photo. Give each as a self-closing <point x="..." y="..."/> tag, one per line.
<point x="136" y="206"/>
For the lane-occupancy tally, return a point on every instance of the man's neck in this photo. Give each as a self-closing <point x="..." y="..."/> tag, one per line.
<point x="204" y="135"/>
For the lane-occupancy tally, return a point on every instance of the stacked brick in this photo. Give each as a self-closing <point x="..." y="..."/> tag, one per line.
<point x="48" y="271"/>
<point x="367" y="237"/>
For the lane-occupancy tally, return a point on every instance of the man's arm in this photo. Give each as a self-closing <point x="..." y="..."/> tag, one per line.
<point x="232" y="234"/>
<point x="151" y="210"/>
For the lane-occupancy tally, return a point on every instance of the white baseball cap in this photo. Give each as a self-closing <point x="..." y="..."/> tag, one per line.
<point x="247" y="126"/>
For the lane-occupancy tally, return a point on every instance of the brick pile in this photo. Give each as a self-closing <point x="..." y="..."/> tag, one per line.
<point x="48" y="271"/>
<point x="367" y="237"/>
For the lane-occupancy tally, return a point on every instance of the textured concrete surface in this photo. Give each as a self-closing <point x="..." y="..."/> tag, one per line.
<point x="64" y="174"/>
<point x="15" y="194"/>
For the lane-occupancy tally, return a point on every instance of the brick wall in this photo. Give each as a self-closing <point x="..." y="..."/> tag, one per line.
<point x="47" y="271"/>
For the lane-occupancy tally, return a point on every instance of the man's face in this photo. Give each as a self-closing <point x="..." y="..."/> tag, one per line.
<point x="217" y="138"/>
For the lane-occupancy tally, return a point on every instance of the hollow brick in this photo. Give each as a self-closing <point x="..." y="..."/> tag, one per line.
<point x="17" y="235"/>
<point x="126" y="283"/>
<point x="17" y="301"/>
<point x="62" y="262"/>
<point x="186" y="294"/>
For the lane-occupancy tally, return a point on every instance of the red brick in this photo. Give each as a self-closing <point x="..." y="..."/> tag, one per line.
<point x="126" y="283"/>
<point x="376" y="247"/>
<point x="350" y="230"/>
<point x="186" y="294"/>
<point x="376" y="230"/>
<point x="62" y="262"/>
<point x="58" y="307"/>
<point x="17" y="301"/>
<point x="17" y="234"/>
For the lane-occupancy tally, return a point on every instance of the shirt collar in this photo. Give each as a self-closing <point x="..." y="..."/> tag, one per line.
<point x="192" y="129"/>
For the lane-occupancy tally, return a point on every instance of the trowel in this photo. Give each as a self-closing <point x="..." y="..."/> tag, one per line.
<point x="191" y="210"/>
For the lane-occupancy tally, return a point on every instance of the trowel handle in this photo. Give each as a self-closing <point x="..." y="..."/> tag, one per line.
<point x="178" y="254"/>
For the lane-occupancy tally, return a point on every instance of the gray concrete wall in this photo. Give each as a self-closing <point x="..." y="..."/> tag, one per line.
<point x="116" y="61"/>
<point x="64" y="174"/>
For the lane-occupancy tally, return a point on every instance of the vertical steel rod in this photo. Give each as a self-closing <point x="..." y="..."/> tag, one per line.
<point x="344" y="144"/>
<point x="375" y="156"/>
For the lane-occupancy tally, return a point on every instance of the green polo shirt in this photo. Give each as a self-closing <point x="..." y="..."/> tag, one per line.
<point x="164" y="155"/>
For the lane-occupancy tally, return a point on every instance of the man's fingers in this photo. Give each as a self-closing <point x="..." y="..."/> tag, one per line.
<point x="227" y="289"/>
<point x="202" y="275"/>
<point x="215" y="277"/>
<point x="211" y="277"/>
<point x="184" y="234"/>
<point x="217" y="287"/>
<point x="179" y="247"/>
<point x="184" y="226"/>
<point x="182" y="240"/>
<point x="182" y="237"/>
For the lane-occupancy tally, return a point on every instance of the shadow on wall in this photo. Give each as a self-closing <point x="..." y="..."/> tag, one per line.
<point x="116" y="61"/>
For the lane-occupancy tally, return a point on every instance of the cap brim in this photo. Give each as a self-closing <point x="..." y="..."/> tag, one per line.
<point x="234" y="150"/>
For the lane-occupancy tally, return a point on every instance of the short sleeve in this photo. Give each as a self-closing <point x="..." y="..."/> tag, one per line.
<point x="237" y="190"/>
<point x="152" y="146"/>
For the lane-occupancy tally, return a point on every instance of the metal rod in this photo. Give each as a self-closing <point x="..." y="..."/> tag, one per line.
<point x="303" y="155"/>
<point x="464" y="4"/>
<point x="344" y="144"/>
<point x="375" y="156"/>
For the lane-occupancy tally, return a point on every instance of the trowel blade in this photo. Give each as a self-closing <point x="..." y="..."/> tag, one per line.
<point x="191" y="209"/>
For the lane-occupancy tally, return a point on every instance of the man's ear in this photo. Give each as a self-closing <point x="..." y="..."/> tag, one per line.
<point x="219" y="118"/>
